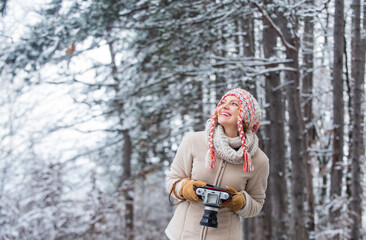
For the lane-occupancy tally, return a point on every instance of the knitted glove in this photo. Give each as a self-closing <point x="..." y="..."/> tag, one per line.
<point x="237" y="200"/>
<point x="188" y="189"/>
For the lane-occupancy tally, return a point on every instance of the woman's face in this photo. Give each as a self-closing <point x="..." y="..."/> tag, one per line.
<point x="228" y="112"/>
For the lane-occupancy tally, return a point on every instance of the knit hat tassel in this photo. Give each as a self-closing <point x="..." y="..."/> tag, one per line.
<point x="212" y="158"/>
<point x="248" y="165"/>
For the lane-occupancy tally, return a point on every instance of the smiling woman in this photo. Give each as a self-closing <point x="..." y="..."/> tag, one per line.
<point x="224" y="159"/>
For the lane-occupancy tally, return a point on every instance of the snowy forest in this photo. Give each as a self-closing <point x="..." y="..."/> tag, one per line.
<point x="96" y="96"/>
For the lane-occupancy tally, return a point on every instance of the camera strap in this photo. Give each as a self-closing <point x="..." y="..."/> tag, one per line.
<point x="175" y="194"/>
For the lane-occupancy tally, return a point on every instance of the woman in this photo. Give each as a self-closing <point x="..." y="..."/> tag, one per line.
<point x="226" y="155"/>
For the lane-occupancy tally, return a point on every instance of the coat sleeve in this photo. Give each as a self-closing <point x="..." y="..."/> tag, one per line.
<point x="182" y="164"/>
<point x="255" y="191"/>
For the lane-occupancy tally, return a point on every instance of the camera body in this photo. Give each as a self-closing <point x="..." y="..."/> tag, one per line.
<point x="212" y="198"/>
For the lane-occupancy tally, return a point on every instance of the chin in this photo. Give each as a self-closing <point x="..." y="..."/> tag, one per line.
<point x="226" y="124"/>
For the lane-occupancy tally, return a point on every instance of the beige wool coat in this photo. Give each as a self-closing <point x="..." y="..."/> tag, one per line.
<point x="189" y="162"/>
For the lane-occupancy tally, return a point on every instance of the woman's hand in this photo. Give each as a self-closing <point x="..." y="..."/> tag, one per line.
<point x="237" y="200"/>
<point x="188" y="189"/>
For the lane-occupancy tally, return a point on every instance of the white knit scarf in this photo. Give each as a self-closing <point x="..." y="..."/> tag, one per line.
<point x="224" y="145"/>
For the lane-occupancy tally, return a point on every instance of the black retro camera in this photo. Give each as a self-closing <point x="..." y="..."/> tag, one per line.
<point x="212" y="198"/>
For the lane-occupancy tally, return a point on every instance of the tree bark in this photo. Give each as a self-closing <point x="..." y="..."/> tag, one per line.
<point x="338" y="114"/>
<point x="357" y="73"/>
<point x="307" y="93"/>
<point x="276" y="112"/>
<point x="298" y="183"/>
<point x="247" y="24"/>
<point x="296" y="126"/>
<point x="128" y="187"/>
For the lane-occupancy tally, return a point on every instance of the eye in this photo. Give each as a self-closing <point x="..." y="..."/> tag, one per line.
<point x="235" y="104"/>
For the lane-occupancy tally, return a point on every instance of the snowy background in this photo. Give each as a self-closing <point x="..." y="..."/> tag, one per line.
<point x="95" y="97"/>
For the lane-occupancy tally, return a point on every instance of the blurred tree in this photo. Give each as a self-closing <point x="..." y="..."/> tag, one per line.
<point x="338" y="118"/>
<point x="276" y="136"/>
<point x="3" y="6"/>
<point x="357" y="148"/>
<point x="307" y="99"/>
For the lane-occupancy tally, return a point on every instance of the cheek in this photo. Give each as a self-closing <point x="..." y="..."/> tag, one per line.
<point x="217" y="111"/>
<point x="236" y="112"/>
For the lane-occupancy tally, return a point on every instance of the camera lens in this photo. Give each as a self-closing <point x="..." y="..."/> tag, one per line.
<point x="209" y="217"/>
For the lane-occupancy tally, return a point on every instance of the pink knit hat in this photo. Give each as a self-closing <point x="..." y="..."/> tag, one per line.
<point x="248" y="119"/>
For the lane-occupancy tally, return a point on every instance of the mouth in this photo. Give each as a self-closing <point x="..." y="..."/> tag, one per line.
<point x="226" y="114"/>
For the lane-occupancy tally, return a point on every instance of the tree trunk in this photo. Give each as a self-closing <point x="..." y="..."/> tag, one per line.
<point x="247" y="24"/>
<point x="125" y="183"/>
<point x="357" y="73"/>
<point x="296" y="127"/>
<point x="298" y="183"/>
<point x="338" y="114"/>
<point x="326" y="54"/>
<point x="128" y="186"/>
<point x="276" y="112"/>
<point x="308" y="53"/>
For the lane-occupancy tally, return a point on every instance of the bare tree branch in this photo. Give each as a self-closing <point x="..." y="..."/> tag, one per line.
<point x="270" y="21"/>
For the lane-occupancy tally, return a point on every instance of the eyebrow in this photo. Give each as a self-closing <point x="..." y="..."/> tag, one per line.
<point x="233" y="100"/>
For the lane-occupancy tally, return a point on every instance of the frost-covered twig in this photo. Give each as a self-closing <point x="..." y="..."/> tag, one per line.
<point x="275" y="27"/>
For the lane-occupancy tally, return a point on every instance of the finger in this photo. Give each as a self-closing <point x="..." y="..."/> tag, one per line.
<point x="194" y="195"/>
<point x="231" y="189"/>
<point x="199" y="183"/>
